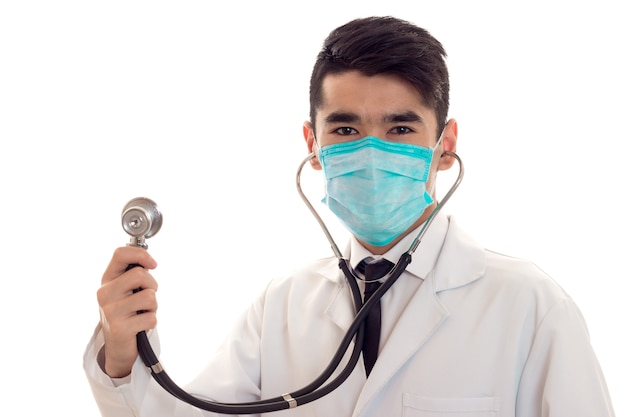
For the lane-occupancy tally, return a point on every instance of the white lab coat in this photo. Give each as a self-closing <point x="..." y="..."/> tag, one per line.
<point x="484" y="335"/>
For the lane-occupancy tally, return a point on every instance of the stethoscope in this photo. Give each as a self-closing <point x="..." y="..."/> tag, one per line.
<point x="142" y="219"/>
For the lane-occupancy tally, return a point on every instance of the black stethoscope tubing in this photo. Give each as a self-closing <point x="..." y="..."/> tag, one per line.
<point x="314" y="390"/>
<point x="304" y="395"/>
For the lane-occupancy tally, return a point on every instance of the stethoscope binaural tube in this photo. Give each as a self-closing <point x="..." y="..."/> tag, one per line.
<point x="316" y="389"/>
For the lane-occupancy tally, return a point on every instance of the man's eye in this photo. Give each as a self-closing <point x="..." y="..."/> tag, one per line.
<point x="401" y="130"/>
<point x="345" y="131"/>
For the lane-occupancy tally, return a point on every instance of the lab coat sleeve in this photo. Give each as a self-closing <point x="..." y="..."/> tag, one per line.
<point x="135" y="395"/>
<point x="232" y="375"/>
<point x="562" y="376"/>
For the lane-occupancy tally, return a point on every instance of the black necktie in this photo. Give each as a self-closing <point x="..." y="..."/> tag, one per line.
<point x="372" y="269"/>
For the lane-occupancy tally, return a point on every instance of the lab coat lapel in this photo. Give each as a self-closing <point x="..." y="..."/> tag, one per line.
<point x="419" y="321"/>
<point x="461" y="262"/>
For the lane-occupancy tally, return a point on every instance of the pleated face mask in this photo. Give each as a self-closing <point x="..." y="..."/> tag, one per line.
<point x="375" y="187"/>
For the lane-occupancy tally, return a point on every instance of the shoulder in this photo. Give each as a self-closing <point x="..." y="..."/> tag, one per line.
<point x="497" y="277"/>
<point x="520" y="288"/>
<point x="521" y="275"/>
<point x="494" y="268"/>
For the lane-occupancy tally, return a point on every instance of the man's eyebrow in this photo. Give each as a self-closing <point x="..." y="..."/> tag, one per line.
<point x="341" y="117"/>
<point x="407" y="116"/>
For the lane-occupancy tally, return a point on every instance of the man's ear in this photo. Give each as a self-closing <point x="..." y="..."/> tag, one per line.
<point x="309" y="137"/>
<point x="448" y="144"/>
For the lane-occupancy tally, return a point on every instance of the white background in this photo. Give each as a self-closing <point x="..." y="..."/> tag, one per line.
<point x="199" y="106"/>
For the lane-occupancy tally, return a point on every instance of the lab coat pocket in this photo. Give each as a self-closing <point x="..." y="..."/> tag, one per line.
<point x="418" y="406"/>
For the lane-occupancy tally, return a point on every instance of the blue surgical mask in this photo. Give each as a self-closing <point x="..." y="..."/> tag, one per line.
<point x="375" y="187"/>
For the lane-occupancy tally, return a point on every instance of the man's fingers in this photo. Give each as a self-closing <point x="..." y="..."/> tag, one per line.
<point x="125" y="256"/>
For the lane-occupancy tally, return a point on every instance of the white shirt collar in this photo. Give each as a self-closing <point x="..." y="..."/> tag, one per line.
<point x="425" y="256"/>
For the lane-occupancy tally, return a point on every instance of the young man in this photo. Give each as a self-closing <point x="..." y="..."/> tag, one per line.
<point x="463" y="331"/>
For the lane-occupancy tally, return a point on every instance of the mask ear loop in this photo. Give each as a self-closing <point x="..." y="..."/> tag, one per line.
<point x="440" y="140"/>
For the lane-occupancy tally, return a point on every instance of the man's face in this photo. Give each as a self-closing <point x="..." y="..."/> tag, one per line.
<point x="385" y="106"/>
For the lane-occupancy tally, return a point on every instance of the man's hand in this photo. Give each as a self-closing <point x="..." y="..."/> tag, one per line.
<point x="119" y="303"/>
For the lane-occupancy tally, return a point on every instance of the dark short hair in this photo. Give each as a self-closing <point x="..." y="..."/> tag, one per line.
<point x="385" y="45"/>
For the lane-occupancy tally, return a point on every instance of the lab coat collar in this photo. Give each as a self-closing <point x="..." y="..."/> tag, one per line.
<point x="447" y="255"/>
<point x="457" y="261"/>
<point x="461" y="261"/>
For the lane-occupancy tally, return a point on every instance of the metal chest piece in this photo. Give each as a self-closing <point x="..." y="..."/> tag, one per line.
<point x="141" y="219"/>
